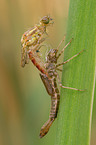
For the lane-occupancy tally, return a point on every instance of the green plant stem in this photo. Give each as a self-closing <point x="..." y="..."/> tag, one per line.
<point x="75" y="110"/>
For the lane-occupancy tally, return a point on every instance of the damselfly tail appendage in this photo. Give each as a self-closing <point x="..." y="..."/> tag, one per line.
<point x="45" y="128"/>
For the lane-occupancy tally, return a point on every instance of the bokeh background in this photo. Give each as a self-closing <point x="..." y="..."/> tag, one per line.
<point x="24" y="102"/>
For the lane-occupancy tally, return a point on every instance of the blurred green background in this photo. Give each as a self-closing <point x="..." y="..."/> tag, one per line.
<point x="24" y="102"/>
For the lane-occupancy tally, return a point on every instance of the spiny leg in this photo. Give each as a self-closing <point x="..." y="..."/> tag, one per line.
<point x="59" y="69"/>
<point x="65" y="86"/>
<point x="70" y="88"/>
<point x="69" y="59"/>
<point x="64" y="48"/>
<point x="60" y="43"/>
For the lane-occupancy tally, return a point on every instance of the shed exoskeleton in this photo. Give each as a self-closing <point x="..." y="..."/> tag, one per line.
<point x="50" y="83"/>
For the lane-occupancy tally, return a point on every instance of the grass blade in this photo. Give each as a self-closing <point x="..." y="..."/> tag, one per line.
<point x="75" y="111"/>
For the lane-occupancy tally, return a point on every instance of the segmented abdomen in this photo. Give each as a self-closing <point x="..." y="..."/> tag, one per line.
<point x="51" y="87"/>
<point x="55" y="97"/>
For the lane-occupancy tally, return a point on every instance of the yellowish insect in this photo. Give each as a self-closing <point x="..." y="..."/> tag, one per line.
<point x="32" y="38"/>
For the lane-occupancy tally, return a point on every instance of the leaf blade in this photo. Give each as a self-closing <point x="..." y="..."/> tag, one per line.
<point x="74" y="117"/>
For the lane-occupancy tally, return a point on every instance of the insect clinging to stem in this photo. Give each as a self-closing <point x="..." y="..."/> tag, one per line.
<point x="31" y="43"/>
<point x="51" y="84"/>
<point x="32" y="39"/>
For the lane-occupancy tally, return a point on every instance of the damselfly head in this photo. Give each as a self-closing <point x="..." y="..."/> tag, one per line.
<point x="46" y="20"/>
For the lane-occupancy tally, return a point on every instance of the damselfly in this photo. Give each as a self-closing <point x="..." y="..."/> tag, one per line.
<point x="32" y="39"/>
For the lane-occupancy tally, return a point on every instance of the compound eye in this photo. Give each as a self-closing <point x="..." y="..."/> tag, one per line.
<point x="45" y="20"/>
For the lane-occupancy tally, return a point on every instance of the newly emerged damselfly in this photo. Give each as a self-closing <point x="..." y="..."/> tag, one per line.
<point x="32" y="39"/>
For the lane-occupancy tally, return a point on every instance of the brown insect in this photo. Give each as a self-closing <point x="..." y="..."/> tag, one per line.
<point x="51" y="84"/>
